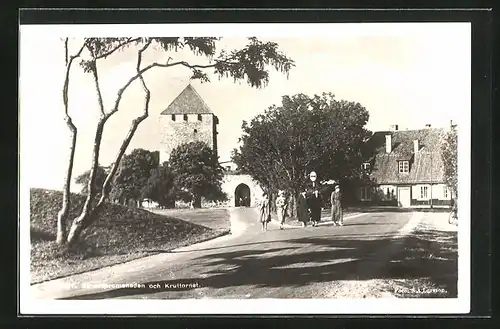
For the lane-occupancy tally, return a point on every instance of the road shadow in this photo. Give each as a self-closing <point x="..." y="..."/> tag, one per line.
<point x="322" y="260"/>
<point x="361" y="224"/>
<point x="393" y="209"/>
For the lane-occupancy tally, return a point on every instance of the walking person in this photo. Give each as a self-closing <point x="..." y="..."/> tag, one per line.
<point x="315" y="203"/>
<point x="336" y="211"/>
<point x="302" y="212"/>
<point x="265" y="211"/>
<point x="280" y="208"/>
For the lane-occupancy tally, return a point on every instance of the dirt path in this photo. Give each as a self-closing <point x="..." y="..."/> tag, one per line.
<point x="376" y="265"/>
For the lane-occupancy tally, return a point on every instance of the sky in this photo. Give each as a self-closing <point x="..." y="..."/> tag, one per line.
<point x="402" y="73"/>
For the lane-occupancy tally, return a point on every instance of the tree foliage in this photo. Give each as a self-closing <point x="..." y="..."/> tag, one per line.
<point x="133" y="174"/>
<point x="282" y="145"/>
<point x="160" y="186"/>
<point x="84" y="178"/>
<point x="196" y="170"/>
<point x="449" y="154"/>
<point x="251" y="63"/>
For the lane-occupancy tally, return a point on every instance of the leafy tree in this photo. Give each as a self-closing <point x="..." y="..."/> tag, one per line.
<point x="160" y="186"/>
<point x="133" y="174"/>
<point x="83" y="179"/>
<point x="197" y="171"/>
<point x="251" y="63"/>
<point x="281" y="146"/>
<point x="449" y="154"/>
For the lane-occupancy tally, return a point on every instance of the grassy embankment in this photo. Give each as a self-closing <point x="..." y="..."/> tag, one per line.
<point x="119" y="235"/>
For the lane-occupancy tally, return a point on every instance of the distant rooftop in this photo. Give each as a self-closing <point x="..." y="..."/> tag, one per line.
<point x="188" y="102"/>
<point x="427" y="165"/>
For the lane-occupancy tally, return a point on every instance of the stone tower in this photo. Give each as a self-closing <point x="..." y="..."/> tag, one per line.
<point x="187" y="119"/>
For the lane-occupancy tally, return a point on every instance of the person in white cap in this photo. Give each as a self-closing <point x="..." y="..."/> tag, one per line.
<point x="314" y="200"/>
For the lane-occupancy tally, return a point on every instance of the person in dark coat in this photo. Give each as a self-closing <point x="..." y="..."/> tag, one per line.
<point x="302" y="211"/>
<point x="315" y="203"/>
<point x="336" y="210"/>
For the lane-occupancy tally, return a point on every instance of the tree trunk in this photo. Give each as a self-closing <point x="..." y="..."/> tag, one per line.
<point x="195" y="201"/>
<point x="89" y="214"/>
<point x="294" y="205"/>
<point x="62" y="216"/>
<point x="86" y="215"/>
<point x="77" y="228"/>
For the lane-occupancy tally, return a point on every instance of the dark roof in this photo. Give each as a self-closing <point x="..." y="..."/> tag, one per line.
<point x="187" y="102"/>
<point x="426" y="165"/>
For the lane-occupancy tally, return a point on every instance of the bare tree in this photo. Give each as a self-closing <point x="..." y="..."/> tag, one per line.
<point x="62" y="216"/>
<point x="248" y="63"/>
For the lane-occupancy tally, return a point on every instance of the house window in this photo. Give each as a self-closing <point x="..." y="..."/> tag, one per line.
<point x="366" y="193"/>
<point x="366" y="165"/>
<point x="185" y="117"/>
<point x="228" y="168"/>
<point x="445" y="192"/>
<point x="199" y="117"/>
<point x="404" y="167"/>
<point x="173" y="117"/>
<point x="423" y="192"/>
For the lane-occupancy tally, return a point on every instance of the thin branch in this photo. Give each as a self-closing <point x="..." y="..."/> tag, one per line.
<point x="144" y="70"/>
<point x="164" y="65"/>
<point x="66" y="51"/>
<point x="141" y="77"/>
<point x="66" y="80"/>
<point x="97" y="87"/>
<point x="133" y="128"/>
<point x="120" y="45"/>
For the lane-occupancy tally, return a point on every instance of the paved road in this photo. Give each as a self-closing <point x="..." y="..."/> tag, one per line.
<point x="291" y="263"/>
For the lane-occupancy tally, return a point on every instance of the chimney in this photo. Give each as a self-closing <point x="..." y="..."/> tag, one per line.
<point x="415" y="146"/>
<point x="394" y="127"/>
<point x="388" y="143"/>
<point x="428" y="125"/>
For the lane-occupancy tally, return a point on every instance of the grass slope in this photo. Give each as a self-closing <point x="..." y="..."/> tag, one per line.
<point x="120" y="234"/>
<point x="216" y="219"/>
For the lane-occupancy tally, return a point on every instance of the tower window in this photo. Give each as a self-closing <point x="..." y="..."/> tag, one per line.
<point x="173" y="117"/>
<point x="199" y="117"/>
<point x="185" y="117"/>
<point x="195" y="131"/>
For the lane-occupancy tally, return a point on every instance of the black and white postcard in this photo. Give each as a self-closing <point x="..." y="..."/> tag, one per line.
<point x="245" y="168"/>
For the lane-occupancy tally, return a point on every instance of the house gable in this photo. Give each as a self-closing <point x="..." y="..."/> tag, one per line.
<point x="425" y="166"/>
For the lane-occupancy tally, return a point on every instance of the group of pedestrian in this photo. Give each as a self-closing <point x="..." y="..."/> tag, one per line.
<point x="309" y="205"/>
<point x="265" y="209"/>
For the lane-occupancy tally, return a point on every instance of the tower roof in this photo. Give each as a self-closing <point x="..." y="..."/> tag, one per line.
<point x="187" y="102"/>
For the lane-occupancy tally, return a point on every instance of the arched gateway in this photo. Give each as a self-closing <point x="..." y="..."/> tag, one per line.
<point x="241" y="190"/>
<point x="242" y="196"/>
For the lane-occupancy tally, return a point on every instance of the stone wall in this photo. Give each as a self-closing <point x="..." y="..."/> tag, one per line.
<point x="230" y="182"/>
<point x="174" y="133"/>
